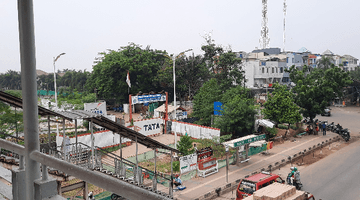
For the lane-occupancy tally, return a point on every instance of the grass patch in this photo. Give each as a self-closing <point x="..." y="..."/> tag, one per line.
<point x="164" y="167"/>
<point x="114" y="148"/>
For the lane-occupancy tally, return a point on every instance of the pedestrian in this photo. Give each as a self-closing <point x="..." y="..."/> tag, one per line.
<point x="324" y="128"/>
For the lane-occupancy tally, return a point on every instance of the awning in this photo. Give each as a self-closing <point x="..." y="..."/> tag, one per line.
<point x="244" y="140"/>
<point x="264" y="122"/>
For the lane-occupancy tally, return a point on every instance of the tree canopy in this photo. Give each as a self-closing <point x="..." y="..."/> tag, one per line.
<point x="314" y="90"/>
<point x="110" y="73"/>
<point x="223" y="64"/>
<point x="280" y="106"/>
<point x="238" y="112"/>
<point x="204" y="101"/>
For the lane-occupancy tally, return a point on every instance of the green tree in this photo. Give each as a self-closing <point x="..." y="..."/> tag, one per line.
<point x="315" y="90"/>
<point x="355" y="74"/>
<point x="223" y="64"/>
<point x="185" y="145"/>
<point x="109" y="74"/>
<point x="10" y="121"/>
<point x="191" y="73"/>
<point x="11" y="80"/>
<point x="204" y="101"/>
<point x="280" y="106"/>
<point x="238" y="112"/>
<point x="325" y="62"/>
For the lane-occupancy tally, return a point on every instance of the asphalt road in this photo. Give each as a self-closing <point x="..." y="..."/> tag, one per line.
<point x="338" y="175"/>
<point x="335" y="177"/>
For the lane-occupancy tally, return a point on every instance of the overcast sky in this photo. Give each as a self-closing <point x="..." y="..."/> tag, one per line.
<point x="82" y="28"/>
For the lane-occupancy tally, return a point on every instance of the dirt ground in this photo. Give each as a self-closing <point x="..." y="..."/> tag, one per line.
<point x="325" y="151"/>
<point x="280" y="136"/>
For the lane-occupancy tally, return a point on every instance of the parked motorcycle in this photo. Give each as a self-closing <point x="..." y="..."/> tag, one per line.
<point x="343" y="132"/>
<point x="330" y="127"/>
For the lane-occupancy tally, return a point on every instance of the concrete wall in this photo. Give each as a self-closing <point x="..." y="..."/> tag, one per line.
<point x="102" y="139"/>
<point x="148" y="126"/>
<point x="194" y="130"/>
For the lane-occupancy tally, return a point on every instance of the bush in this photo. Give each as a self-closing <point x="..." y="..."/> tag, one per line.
<point x="272" y="132"/>
<point x="281" y="126"/>
<point x="185" y="145"/>
<point x="176" y="166"/>
<point x="293" y="127"/>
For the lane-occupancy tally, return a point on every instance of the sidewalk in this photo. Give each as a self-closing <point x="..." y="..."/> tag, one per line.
<point x="197" y="187"/>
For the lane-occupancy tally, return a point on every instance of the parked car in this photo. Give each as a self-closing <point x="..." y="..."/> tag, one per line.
<point x="327" y="112"/>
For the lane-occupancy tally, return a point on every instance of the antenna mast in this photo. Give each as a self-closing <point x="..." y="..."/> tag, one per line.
<point x="285" y="6"/>
<point x="264" y="38"/>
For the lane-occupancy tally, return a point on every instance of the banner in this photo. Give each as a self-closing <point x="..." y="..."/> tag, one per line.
<point x="188" y="163"/>
<point x="250" y="140"/>
<point x="148" y="98"/>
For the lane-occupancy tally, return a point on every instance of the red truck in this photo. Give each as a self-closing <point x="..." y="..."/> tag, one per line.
<point x="255" y="182"/>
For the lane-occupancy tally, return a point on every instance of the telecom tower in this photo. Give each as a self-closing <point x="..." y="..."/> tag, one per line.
<point x="285" y="6"/>
<point x="264" y="38"/>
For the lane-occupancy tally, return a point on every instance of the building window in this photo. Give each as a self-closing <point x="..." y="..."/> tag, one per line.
<point x="276" y="70"/>
<point x="293" y="60"/>
<point x="263" y="63"/>
<point x="272" y="70"/>
<point x="287" y="60"/>
<point x="263" y="70"/>
<point x="281" y="70"/>
<point x="267" y="70"/>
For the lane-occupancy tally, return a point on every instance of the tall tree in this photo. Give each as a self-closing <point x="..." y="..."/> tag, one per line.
<point x="110" y="73"/>
<point x="191" y="73"/>
<point x="280" y="106"/>
<point x="325" y="62"/>
<point x="204" y="101"/>
<point x="239" y="112"/>
<point x="315" y="90"/>
<point x="223" y="64"/>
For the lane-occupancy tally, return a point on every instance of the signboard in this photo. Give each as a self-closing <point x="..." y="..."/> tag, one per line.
<point x="188" y="163"/>
<point x="250" y="140"/>
<point x="148" y="98"/>
<point x="217" y="108"/>
<point x="98" y="108"/>
<point x="226" y="147"/>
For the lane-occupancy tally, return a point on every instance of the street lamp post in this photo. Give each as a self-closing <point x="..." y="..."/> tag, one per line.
<point x="174" y="58"/>
<point x="56" y="103"/>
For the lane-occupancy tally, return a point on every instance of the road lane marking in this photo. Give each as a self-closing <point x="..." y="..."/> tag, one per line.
<point x="222" y="177"/>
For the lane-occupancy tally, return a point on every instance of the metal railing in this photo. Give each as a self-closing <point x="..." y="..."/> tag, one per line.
<point x="112" y="164"/>
<point x="111" y="184"/>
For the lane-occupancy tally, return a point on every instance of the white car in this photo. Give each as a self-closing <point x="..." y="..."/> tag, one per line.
<point x="327" y="112"/>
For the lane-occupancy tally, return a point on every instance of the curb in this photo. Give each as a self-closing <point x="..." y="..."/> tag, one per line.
<point x="230" y="186"/>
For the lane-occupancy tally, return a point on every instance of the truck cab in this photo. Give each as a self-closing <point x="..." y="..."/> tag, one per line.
<point x="255" y="182"/>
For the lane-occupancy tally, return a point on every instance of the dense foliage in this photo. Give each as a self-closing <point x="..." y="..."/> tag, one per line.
<point x="315" y="90"/>
<point x="239" y="112"/>
<point x="280" y="106"/>
<point x="11" y="120"/>
<point x="185" y="145"/>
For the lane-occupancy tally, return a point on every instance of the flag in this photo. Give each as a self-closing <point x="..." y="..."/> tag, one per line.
<point x="128" y="79"/>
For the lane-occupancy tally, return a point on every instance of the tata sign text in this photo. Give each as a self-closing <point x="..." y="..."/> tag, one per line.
<point x="150" y="127"/>
<point x="148" y="98"/>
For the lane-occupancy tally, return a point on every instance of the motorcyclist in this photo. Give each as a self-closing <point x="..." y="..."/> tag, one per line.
<point x="291" y="175"/>
<point x="294" y="178"/>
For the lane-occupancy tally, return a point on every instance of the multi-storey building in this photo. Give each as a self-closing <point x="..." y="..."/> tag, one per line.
<point x="265" y="66"/>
